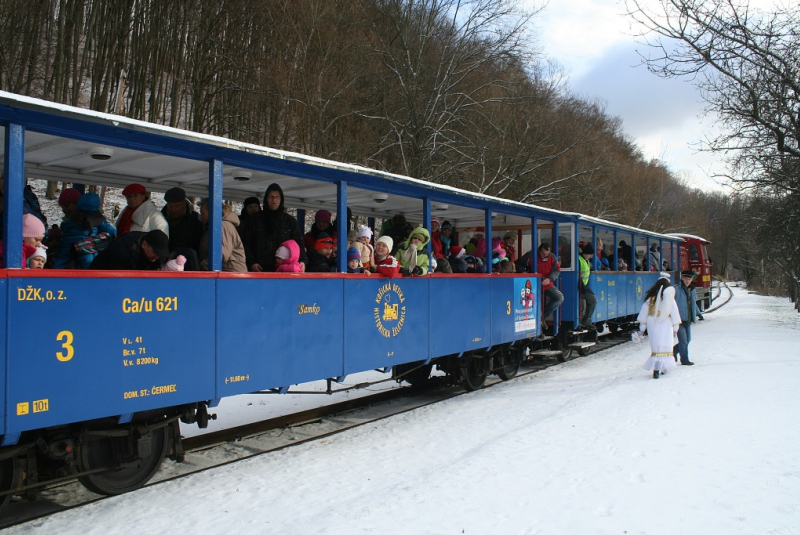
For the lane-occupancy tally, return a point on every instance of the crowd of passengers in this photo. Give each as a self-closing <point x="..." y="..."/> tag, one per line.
<point x="269" y="239"/>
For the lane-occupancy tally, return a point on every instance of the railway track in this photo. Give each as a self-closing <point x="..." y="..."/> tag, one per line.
<point x="220" y="448"/>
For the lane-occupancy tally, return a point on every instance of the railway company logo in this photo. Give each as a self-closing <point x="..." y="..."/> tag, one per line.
<point x="639" y="288"/>
<point x="389" y="311"/>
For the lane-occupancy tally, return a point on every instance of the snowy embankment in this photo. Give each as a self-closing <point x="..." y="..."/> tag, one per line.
<point x="592" y="446"/>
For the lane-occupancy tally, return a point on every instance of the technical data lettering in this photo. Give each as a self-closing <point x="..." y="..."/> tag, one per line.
<point x="159" y="304"/>
<point x="237" y="378"/>
<point x="135" y="353"/>
<point x="152" y="391"/>
<point x="38" y="294"/>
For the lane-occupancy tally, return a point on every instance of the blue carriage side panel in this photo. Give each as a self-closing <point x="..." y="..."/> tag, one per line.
<point x="524" y="303"/>
<point x="611" y="295"/>
<point x="3" y="359"/>
<point x="568" y="284"/>
<point x="106" y="346"/>
<point x="622" y="294"/>
<point x="276" y="332"/>
<point x="386" y="321"/>
<point x="460" y="313"/>
<point x="598" y="283"/>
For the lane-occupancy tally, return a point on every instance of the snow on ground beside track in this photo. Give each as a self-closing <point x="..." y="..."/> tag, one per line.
<point x="591" y="446"/>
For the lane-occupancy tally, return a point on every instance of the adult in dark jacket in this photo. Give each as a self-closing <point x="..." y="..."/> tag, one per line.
<point x="322" y="224"/>
<point x="135" y="250"/>
<point x="686" y="299"/>
<point x="267" y="230"/>
<point x="185" y="228"/>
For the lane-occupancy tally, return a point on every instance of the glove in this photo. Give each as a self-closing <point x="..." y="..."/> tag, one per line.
<point x="417" y="271"/>
<point x="404" y="272"/>
<point x="636" y="337"/>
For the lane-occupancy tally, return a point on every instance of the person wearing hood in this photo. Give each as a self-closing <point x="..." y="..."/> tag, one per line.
<point x="233" y="259"/>
<point x="185" y="228"/>
<point x="660" y="318"/>
<point x="286" y="258"/>
<point x="412" y="255"/>
<point x="135" y="250"/>
<point x="267" y="230"/>
<point x="141" y="215"/>
<point x="84" y="235"/>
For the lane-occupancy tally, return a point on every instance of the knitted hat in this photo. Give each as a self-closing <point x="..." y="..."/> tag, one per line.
<point x="69" y="196"/>
<point x="446" y="225"/>
<point x="364" y="232"/>
<point x="323" y="216"/>
<point x="40" y="251"/>
<point x="283" y="253"/>
<point x="89" y="202"/>
<point x="353" y="254"/>
<point x="175" y="264"/>
<point x="159" y="242"/>
<point x="587" y="249"/>
<point x="435" y="219"/>
<point x="324" y="241"/>
<point x="508" y="235"/>
<point x="132" y="189"/>
<point x="457" y="252"/>
<point x="386" y="240"/>
<point x="32" y="227"/>
<point x="175" y="195"/>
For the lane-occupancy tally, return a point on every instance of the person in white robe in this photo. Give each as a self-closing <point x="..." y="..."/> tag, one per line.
<point x="660" y="318"/>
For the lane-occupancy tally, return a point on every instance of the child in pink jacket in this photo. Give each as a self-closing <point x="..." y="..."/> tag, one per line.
<point x="287" y="258"/>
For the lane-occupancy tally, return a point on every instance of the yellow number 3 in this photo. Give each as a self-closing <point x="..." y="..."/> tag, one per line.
<point x="508" y="308"/>
<point x="67" y="337"/>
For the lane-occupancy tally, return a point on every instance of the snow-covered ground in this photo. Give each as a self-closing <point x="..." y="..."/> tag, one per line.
<point x="591" y="446"/>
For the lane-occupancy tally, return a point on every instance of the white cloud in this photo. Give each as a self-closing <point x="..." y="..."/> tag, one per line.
<point x="593" y="40"/>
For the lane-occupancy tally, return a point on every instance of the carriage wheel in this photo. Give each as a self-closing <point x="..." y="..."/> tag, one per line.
<point x="130" y="461"/>
<point x="513" y="359"/>
<point x="474" y="374"/>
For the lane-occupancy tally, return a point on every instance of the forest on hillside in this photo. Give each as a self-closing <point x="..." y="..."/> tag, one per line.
<point x="444" y="90"/>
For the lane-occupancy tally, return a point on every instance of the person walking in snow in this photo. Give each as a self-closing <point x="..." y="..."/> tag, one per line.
<point x="686" y="298"/>
<point x="660" y="318"/>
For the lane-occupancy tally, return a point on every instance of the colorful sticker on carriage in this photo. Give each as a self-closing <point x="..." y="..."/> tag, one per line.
<point x="639" y="289"/>
<point x="525" y="310"/>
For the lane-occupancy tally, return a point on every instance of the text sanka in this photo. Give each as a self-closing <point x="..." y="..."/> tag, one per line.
<point x="162" y="304"/>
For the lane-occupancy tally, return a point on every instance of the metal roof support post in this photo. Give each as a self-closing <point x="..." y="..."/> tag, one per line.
<point x="615" y="250"/>
<point x="633" y="253"/>
<point x="14" y="184"/>
<point x="215" y="215"/>
<point x="646" y="260"/>
<point x="534" y="245"/>
<point x="488" y="237"/>
<point x="371" y="224"/>
<point x="594" y="244"/>
<point x="301" y="220"/>
<point x="426" y="222"/>
<point x="341" y="226"/>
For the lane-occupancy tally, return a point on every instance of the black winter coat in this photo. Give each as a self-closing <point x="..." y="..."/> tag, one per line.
<point x="265" y="232"/>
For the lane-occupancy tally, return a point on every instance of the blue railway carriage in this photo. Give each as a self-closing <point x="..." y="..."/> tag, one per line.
<point x="102" y="366"/>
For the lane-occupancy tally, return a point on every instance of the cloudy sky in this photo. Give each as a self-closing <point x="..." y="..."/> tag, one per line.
<point x="593" y="40"/>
